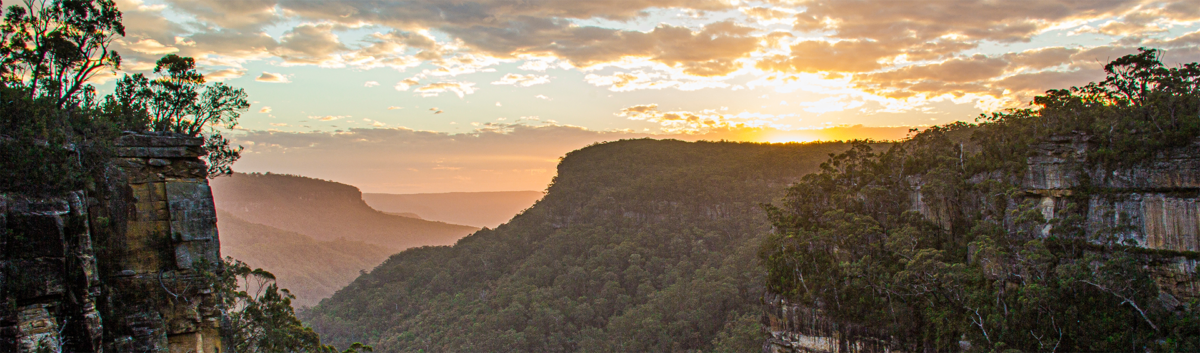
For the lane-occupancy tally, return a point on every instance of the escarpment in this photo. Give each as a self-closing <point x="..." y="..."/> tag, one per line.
<point x="1081" y="210"/>
<point x="1152" y="205"/>
<point x="119" y="267"/>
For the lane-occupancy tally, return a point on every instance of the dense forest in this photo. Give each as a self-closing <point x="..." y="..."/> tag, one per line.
<point x="938" y="243"/>
<point x="638" y="245"/>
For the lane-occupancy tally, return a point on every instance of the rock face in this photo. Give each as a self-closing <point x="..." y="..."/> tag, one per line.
<point x="1154" y="205"/>
<point x="118" y="268"/>
<point x="799" y="328"/>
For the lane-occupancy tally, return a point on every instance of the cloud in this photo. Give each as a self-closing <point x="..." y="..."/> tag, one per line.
<point x="249" y="15"/>
<point x="890" y="52"/>
<point x="405" y="84"/>
<point x="522" y="80"/>
<point x="310" y="44"/>
<point x="1042" y="57"/>
<point x="394" y="108"/>
<point x="640" y="80"/>
<point x="505" y="31"/>
<point x="818" y="55"/>
<point x="967" y="22"/>
<point x="492" y="157"/>
<point x="272" y="77"/>
<point x="896" y="50"/>
<point x="459" y="88"/>
<point x="1185" y="40"/>
<point x="969" y="69"/>
<point x="768" y="15"/>
<point x="151" y="46"/>
<point x="328" y="117"/>
<point x="676" y="121"/>
<point x="265" y="110"/>
<point x="225" y="74"/>
<point x="537" y="64"/>
<point x="371" y="84"/>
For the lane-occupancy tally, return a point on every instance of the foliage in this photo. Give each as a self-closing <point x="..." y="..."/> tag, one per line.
<point x="259" y="314"/>
<point x="55" y="136"/>
<point x="175" y="102"/>
<point x="1140" y="108"/>
<point x="50" y="138"/>
<point x="638" y="246"/>
<point x="53" y="47"/>
<point x="979" y="266"/>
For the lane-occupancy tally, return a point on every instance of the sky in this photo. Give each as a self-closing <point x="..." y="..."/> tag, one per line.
<point x="413" y="96"/>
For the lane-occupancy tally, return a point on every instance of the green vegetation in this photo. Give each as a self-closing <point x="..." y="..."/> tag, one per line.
<point x="260" y="317"/>
<point x="178" y="101"/>
<point x="56" y="136"/>
<point x="638" y="246"/>
<point x="976" y="268"/>
<point x="54" y="132"/>
<point x="51" y="136"/>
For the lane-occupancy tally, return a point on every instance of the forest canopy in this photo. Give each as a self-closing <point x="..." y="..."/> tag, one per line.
<point x="935" y="243"/>
<point x="55" y="132"/>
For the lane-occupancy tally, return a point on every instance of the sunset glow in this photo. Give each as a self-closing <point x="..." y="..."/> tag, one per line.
<point x="329" y="73"/>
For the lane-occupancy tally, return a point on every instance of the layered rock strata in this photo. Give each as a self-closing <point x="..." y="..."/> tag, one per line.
<point x="120" y="267"/>
<point x="1153" y="205"/>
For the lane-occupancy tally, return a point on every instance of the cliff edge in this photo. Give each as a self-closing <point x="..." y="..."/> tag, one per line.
<point x="118" y="267"/>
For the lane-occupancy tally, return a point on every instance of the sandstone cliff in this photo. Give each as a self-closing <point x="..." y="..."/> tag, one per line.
<point x="117" y="267"/>
<point x="1152" y="206"/>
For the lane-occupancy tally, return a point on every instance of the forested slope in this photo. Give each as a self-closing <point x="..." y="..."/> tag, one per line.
<point x="639" y="245"/>
<point x="324" y="210"/>
<point x="1069" y="227"/>
<point x="310" y="269"/>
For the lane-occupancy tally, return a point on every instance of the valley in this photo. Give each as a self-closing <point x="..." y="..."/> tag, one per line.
<point x="639" y="245"/>
<point x="594" y="177"/>
<point x="476" y="209"/>
<point x="315" y="236"/>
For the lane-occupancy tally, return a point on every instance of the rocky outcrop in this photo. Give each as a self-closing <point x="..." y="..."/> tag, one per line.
<point x="1151" y="205"/>
<point x="799" y="328"/>
<point x="119" y="267"/>
<point x="48" y="275"/>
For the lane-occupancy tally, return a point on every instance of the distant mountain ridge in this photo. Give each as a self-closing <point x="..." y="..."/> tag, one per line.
<point x="325" y="211"/>
<point x="312" y="270"/>
<point x="638" y="246"/>
<point x="478" y="209"/>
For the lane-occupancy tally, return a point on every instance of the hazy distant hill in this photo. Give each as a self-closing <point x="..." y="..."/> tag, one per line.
<point x="480" y="209"/>
<point x="310" y="269"/>
<point x="325" y="210"/>
<point x="638" y="246"/>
